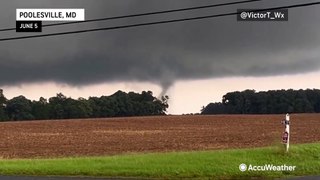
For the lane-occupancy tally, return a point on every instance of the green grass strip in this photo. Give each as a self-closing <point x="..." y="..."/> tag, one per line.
<point x="222" y="164"/>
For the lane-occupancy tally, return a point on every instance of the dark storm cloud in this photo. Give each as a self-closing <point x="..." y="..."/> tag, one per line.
<point x="164" y="53"/>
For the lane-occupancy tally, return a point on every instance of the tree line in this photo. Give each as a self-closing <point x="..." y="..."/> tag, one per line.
<point x="61" y="107"/>
<point x="266" y="102"/>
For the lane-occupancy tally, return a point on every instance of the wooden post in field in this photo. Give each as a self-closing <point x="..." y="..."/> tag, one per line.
<point x="286" y="133"/>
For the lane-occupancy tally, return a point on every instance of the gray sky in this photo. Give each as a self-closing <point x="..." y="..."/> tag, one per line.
<point x="162" y="54"/>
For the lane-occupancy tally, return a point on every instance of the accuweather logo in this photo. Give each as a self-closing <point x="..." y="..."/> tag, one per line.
<point x="266" y="167"/>
<point x="243" y="167"/>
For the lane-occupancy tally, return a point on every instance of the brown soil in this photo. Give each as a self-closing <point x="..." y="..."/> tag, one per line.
<point x="59" y="138"/>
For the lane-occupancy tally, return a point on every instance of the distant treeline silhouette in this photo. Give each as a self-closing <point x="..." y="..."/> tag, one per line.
<point x="266" y="102"/>
<point x="61" y="107"/>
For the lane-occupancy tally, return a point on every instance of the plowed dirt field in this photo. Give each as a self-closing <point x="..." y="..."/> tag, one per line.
<point x="92" y="137"/>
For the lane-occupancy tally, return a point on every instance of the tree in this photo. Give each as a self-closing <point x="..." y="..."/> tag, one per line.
<point x="40" y="109"/>
<point x="62" y="107"/>
<point x="269" y="102"/>
<point x="3" y="103"/>
<point x="56" y="106"/>
<point x="77" y="108"/>
<point x="19" y="108"/>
